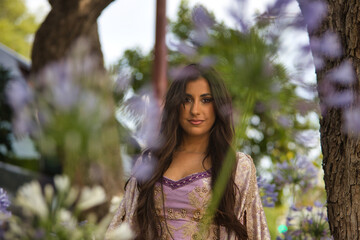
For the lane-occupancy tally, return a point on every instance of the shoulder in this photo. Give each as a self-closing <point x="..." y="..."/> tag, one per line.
<point x="245" y="174"/>
<point x="244" y="163"/>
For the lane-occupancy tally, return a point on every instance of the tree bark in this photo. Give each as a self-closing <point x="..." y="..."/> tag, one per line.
<point x="67" y="21"/>
<point x="341" y="150"/>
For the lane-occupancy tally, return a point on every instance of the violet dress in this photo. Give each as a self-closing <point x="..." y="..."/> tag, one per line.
<point x="183" y="204"/>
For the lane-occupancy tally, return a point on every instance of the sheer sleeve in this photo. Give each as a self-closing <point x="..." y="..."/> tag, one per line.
<point x="248" y="207"/>
<point x="126" y="210"/>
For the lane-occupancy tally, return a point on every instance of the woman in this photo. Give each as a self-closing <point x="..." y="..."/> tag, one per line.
<point x="195" y="135"/>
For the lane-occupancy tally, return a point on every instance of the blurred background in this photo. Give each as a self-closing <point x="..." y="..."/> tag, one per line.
<point x="79" y="87"/>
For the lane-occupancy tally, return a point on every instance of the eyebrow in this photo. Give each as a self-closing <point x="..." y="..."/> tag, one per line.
<point x="202" y="95"/>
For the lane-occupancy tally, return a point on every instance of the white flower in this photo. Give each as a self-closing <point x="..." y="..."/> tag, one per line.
<point x="91" y="197"/>
<point x="66" y="218"/>
<point x="62" y="183"/>
<point x="49" y="193"/>
<point x="115" y="202"/>
<point x="31" y="198"/>
<point x="123" y="232"/>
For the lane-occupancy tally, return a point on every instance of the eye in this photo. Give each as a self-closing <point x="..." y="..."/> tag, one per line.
<point x="188" y="100"/>
<point x="207" y="100"/>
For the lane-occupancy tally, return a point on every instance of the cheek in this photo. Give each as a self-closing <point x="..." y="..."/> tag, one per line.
<point x="211" y="113"/>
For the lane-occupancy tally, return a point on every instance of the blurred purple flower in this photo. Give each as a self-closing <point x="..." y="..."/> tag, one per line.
<point x="318" y="61"/>
<point x="343" y="74"/>
<point x="352" y="120"/>
<point x="294" y="208"/>
<point x="313" y="12"/>
<point x="299" y="171"/>
<point x="308" y="138"/>
<point x="267" y="192"/>
<point x="146" y="113"/>
<point x="305" y="223"/>
<point x="328" y="45"/>
<point x="23" y="123"/>
<point x="18" y="94"/>
<point x="200" y="36"/>
<point x="318" y="204"/>
<point x="285" y="121"/>
<point x="201" y="18"/>
<point x="208" y="61"/>
<point x="184" y="48"/>
<point x="4" y="203"/>
<point x="339" y="99"/>
<point x="143" y="171"/>
<point x="277" y="7"/>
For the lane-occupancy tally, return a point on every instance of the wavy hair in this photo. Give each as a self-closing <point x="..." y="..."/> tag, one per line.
<point x="148" y="221"/>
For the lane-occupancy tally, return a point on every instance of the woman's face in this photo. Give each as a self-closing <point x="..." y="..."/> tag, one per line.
<point x="197" y="114"/>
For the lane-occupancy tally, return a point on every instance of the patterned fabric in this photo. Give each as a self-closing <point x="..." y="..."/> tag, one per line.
<point x="182" y="204"/>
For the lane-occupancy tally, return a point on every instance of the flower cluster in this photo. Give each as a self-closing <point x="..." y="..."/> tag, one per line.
<point x="4" y="204"/>
<point x="267" y="191"/>
<point x="57" y="212"/>
<point x="299" y="171"/>
<point x="308" y="222"/>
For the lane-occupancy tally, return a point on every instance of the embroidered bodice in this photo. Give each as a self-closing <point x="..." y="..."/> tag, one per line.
<point x="185" y="201"/>
<point x="182" y="204"/>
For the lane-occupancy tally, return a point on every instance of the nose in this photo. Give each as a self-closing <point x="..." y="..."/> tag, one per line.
<point x="194" y="110"/>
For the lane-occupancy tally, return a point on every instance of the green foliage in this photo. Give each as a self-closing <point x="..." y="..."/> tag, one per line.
<point x="18" y="24"/>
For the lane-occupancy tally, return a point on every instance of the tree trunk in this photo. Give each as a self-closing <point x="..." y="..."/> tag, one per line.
<point x="160" y="60"/>
<point x="341" y="150"/>
<point x="67" y="21"/>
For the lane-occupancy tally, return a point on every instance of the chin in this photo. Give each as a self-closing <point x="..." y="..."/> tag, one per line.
<point x="197" y="132"/>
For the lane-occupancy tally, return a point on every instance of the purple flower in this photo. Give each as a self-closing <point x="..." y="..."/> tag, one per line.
<point x="4" y="203"/>
<point x="285" y="121"/>
<point x="184" y="48"/>
<point x="308" y="138"/>
<point x="339" y="99"/>
<point x="327" y="45"/>
<point x="18" y="94"/>
<point x="304" y="223"/>
<point x="294" y="208"/>
<point x="277" y="7"/>
<point x="201" y="18"/>
<point x="299" y="171"/>
<point x="351" y="120"/>
<point x="343" y="74"/>
<point x="313" y="12"/>
<point x="267" y="192"/>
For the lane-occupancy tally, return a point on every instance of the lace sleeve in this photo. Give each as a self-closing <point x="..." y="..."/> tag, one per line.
<point x="248" y="205"/>
<point x="126" y="209"/>
<point x="128" y="205"/>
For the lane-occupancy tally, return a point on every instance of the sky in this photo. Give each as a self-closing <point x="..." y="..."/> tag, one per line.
<point x="128" y="24"/>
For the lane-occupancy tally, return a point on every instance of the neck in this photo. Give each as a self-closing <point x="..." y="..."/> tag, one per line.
<point x="194" y="144"/>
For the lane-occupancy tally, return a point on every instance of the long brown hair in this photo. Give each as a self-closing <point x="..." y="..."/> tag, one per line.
<point x="170" y="137"/>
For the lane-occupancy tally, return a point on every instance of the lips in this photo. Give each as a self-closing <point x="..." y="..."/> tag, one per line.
<point x="195" y="121"/>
